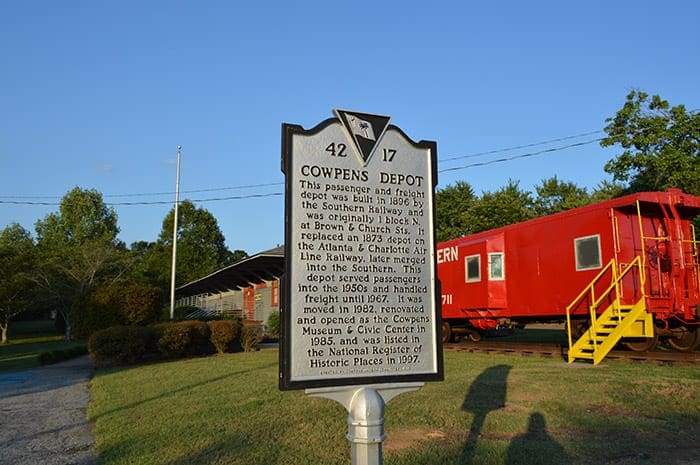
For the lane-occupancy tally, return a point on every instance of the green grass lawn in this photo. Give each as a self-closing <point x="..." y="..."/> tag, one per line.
<point x="27" y="341"/>
<point x="491" y="409"/>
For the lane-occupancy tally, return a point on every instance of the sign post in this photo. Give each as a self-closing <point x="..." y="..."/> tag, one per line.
<point x="360" y="308"/>
<point x="365" y="406"/>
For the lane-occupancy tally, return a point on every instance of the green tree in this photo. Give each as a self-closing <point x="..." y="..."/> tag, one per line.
<point x="451" y="206"/>
<point x="201" y="248"/>
<point x="554" y="196"/>
<point x="237" y="255"/>
<point x="508" y="205"/>
<point x="139" y="248"/>
<point x="16" y="261"/>
<point x="661" y="145"/>
<point x="607" y="190"/>
<point x="78" y="250"/>
<point x="82" y="215"/>
<point x="149" y="265"/>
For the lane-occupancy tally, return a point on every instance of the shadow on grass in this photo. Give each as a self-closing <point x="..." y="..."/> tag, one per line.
<point x="536" y="446"/>
<point x="230" y="449"/>
<point x="227" y="448"/>
<point x="486" y="394"/>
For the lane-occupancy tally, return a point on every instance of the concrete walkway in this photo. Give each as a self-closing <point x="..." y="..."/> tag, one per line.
<point x="43" y="415"/>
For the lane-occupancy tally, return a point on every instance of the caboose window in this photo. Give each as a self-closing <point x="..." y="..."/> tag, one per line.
<point x="472" y="268"/>
<point x="587" y="250"/>
<point x="496" y="266"/>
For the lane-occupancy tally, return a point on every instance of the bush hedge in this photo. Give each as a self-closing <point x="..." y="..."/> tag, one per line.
<point x="122" y="345"/>
<point x="141" y="304"/>
<point x="273" y="325"/>
<point x="251" y="336"/>
<point x="200" y="338"/>
<point x="223" y="333"/>
<point x="173" y="340"/>
<point x="116" y="305"/>
<point x="61" y="355"/>
<point x="182" y="338"/>
<point x="99" y="309"/>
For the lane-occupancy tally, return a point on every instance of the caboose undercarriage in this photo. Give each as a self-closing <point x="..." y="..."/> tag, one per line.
<point x="680" y="336"/>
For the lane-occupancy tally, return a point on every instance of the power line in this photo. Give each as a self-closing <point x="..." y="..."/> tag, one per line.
<point x="14" y="199"/>
<point x="524" y="155"/>
<point x="515" y="147"/>
<point x="156" y="202"/>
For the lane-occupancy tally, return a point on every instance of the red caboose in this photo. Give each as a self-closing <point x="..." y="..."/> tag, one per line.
<point x="634" y="252"/>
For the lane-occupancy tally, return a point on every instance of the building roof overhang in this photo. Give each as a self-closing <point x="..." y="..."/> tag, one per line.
<point x="264" y="266"/>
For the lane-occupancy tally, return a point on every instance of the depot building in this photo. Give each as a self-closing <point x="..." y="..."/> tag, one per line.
<point x="249" y="289"/>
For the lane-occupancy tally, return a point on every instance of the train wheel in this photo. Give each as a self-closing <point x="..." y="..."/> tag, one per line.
<point x="474" y="335"/>
<point x="640" y="344"/>
<point x="684" y="339"/>
<point x="446" y="332"/>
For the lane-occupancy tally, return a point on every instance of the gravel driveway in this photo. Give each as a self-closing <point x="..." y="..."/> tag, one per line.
<point x="43" y="415"/>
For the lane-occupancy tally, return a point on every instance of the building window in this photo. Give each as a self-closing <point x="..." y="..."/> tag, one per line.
<point x="472" y="268"/>
<point x="275" y="293"/>
<point x="496" y="266"/>
<point x="588" y="255"/>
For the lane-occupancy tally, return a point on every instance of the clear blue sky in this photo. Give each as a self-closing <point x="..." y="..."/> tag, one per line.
<point x="100" y="94"/>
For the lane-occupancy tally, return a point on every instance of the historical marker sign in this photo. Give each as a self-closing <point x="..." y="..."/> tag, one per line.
<point x="360" y="300"/>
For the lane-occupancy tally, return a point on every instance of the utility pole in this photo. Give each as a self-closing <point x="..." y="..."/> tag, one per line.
<point x="177" y="203"/>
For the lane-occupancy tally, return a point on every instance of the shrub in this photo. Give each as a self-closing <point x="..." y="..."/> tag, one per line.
<point x="115" y="305"/>
<point x="173" y="340"/>
<point x="224" y="333"/>
<point x="140" y="305"/>
<point x="273" y="325"/>
<point x="61" y="355"/>
<point x="182" y="338"/>
<point x="251" y="336"/>
<point x="119" y="345"/>
<point x="98" y="309"/>
<point x="200" y="344"/>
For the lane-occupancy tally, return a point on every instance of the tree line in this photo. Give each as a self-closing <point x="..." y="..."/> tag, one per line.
<point x="460" y="212"/>
<point x="76" y="249"/>
<point x="660" y="149"/>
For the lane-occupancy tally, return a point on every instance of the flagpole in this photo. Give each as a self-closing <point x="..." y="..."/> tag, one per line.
<point x="177" y="202"/>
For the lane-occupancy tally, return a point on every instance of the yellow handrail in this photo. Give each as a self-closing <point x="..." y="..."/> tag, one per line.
<point x="614" y="285"/>
<point x="590" y="288"/>
<point x="695" y="251"/>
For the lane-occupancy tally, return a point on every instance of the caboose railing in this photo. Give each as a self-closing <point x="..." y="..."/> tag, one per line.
<point x="684" y="250"/>
<point x="612" y="291"/>
<point x="589" y="290"/>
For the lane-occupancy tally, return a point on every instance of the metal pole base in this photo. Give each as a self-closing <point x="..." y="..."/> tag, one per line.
<point x="365" y="406"/>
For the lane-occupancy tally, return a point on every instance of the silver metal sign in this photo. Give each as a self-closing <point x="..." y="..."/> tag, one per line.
<point x="359" y="302"/>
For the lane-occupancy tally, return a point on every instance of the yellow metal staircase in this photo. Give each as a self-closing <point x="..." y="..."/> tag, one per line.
<point x="607" y="330"/>
<point x="616" y="322"/>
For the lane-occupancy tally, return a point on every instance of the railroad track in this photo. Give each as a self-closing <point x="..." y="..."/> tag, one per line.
<point x="657" y="357"/>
